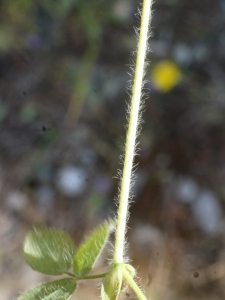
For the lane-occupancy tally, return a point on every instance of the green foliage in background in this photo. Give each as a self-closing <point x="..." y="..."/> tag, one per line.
<point x="25" y="20"/>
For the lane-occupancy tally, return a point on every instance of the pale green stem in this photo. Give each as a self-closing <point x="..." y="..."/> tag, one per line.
<point x="70" y="274"/>
<point x="131" y="134"/>
<point x="133" y="285"/>
<point x="94" y="276"/>
<point x="87" y="277"/>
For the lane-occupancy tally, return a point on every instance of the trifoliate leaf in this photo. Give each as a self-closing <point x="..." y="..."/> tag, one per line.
<point x="90" y="250"/>
<point x="60" y="290"/>
<point x="49" y="251"/>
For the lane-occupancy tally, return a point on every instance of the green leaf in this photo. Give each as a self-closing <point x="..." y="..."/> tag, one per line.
<point x="28" y="113"/>
<point x="90" y="250"/>
<point x="49" y="251"/>
<point x="60" y="290"/>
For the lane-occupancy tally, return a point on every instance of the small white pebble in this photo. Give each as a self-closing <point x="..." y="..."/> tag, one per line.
<point x="71" y="181"/>
<point x="186" y="190"/>
<point x="207" y="212"/>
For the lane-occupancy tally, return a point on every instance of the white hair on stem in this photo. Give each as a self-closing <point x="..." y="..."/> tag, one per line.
<point x="134" y="111"/>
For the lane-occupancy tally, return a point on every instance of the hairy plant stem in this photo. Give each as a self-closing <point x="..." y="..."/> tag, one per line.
<point x="122" y="216"/>
<point x="133" y="285"/>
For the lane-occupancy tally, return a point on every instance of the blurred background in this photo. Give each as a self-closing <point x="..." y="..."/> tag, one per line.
<point x="63" y="78"/>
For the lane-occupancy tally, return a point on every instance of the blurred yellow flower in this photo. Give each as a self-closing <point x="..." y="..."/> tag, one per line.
<point x="165" y="76"/>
